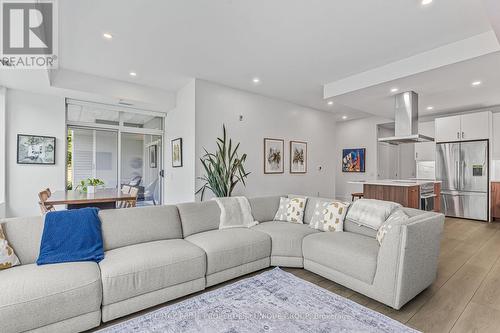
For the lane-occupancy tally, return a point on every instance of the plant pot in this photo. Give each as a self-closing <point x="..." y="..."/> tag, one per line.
<point x="90" y="189"/>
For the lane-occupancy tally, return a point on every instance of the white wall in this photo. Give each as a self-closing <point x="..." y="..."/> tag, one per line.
<point x="29" y="113"/>
<point x="267" y="117"/>
<point x="2" y="151"/>
<point x="361" y="133"/>
<point x="180" y="123"/>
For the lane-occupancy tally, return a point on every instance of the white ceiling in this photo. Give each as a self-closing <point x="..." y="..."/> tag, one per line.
<point x="448" y="89"/>
<point x="293" y="46"/>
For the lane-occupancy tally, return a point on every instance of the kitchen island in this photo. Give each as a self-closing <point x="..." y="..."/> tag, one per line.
<point x="411" y="193"/>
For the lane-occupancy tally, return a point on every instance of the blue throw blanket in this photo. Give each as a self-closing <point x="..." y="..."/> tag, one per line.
<point x="71" y="235"/>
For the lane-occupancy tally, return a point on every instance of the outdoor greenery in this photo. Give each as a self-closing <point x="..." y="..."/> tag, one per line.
<point x="224" y="169"/>
<point x="69" y="160"/>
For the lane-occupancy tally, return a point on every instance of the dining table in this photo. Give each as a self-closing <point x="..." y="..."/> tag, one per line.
<point x="106" y="198"/>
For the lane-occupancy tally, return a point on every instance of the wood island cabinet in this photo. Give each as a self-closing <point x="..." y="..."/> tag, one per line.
<point x="495" y="200"/>
<point x="407" y="196"/>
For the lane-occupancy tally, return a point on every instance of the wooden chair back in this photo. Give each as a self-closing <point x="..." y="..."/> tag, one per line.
<point x="134" y="191"/>
<point x="43" y="196"/>
<point x="126" y="190"/>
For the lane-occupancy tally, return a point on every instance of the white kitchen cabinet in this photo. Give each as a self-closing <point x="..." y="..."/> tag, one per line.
<point x="448" y="129"/>
<point x="426" y="151"/>
<point x="471" y="126"/>
<point x="475" y="126"/>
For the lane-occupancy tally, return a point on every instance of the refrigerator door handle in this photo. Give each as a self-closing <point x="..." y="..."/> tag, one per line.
<point x="457" y="175"/>
<point x="463" y="173"/>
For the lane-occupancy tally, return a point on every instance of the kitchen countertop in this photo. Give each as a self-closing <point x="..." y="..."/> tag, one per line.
<point x="394" y="182"/>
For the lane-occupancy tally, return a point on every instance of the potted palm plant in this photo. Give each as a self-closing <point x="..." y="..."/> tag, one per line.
<point x="224" y="169"/>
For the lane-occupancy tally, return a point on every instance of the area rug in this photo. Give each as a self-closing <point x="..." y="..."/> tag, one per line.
<point x="274" y="301"/>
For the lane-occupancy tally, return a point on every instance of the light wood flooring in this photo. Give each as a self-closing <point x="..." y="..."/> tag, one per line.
<point x="465" y="296"/>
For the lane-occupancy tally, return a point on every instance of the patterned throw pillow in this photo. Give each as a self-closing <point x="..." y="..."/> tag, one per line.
<point x="329" y="216"/>
<point x="397" y="216"/>
<point x="8" y="258"/>
<point x="291" y="210"/>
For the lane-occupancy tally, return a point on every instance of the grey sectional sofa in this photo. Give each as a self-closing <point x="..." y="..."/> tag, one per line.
<point x="157" y="254"/>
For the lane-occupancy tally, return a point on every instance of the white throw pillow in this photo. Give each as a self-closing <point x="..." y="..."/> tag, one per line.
<point x="371" y="213"/>
<point x="8" y="258"/>
<point x="235" y="212"/>
<point x="397" y="217"/>
<point x="329" y="216"/>
<point x="291" y="210"/>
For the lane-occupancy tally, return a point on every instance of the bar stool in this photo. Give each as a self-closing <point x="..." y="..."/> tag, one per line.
<point x="358" y="195"/>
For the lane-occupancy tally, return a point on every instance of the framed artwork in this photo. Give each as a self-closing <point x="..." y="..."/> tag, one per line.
<point x="153" y="156"/>
<point x="36" y="149"/>
<point x="273" y="156"/>
<point x="353" y="160"/>
<point x="298" y="157"/>
<point x="177" y="153"/>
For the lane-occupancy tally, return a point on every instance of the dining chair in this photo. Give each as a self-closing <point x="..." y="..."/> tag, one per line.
<point x="42" y="197"/>
<point x="150" y="191"/>
<point x="125" y="190"/>
<point x="134" y="191"/>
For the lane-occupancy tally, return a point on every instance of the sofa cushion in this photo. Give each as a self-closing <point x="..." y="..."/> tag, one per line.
<point x="349" y="253"/>
<point x="291" y="210"/>
<point x="311" y="207"/>
<point x="142" y="268"/>
<point x="397" y="217"/>
<point x="8" y="258"/>
<point x="371" y="213"/>
<point x="286" y="238"/>
<point x="33" y="296"/>
<point x="351" y="226"/>
<point x="228" y="248"/>
<point x="24" y="235"/>
<point x="199" y="217"/>
<point x="123" y="227"/>
<point x="329" y="216"/>
<point x="264" y="208"/>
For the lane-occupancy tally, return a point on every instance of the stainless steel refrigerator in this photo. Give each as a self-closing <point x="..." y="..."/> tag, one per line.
<point x="463" y="169"/>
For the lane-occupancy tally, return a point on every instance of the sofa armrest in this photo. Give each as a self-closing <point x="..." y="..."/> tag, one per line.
<point x="408" y="257"/>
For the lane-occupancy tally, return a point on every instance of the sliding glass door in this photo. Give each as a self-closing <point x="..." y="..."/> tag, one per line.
<point x="92" y="153"/>
<point x="141" y="165"/>
<point x="120" y="146"/>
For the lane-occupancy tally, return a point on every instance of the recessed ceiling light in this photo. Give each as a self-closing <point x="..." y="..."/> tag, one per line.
<point x="344" y="117"/>
<point x="132" y="74"/>
<point x="256" y="80"/>
<point x="426" y="2"/>
<point x="430" y="107"/>
<point x="107" y="35"/>
<point x="476" y="83"/>
<point x="330" y="103"/>
<point x="393" y="90"/>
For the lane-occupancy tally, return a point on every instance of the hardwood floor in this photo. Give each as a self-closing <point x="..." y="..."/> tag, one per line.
<point x="465" y="296"/>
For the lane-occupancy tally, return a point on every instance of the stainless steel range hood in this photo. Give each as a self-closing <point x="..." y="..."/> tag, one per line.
<point x="406" y="118"/>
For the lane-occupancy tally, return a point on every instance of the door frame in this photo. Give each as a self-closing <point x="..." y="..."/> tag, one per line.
<point x="120" y="128"/>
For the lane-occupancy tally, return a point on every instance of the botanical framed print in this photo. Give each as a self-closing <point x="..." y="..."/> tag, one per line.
<point x="153" y="156"/>
<point x="298" y="157"/>
<point x="353" y="160"/>
<point x="177" y="153"/>
<point x="273" y="156"/>
<point x="36" y="149"/>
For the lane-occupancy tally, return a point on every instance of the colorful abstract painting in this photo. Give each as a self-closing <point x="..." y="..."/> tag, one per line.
<point x="353" y="160"/>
